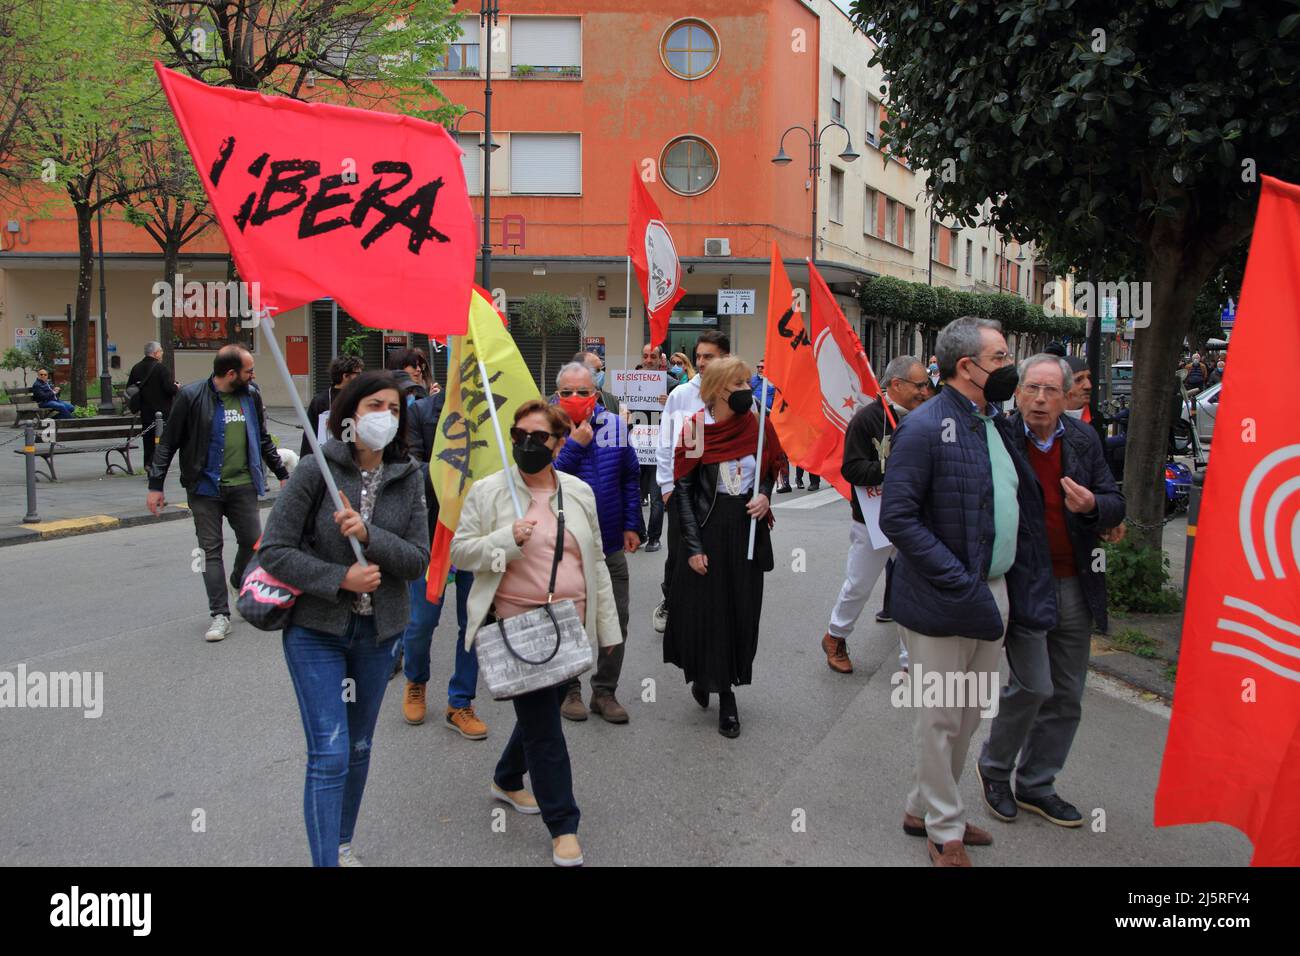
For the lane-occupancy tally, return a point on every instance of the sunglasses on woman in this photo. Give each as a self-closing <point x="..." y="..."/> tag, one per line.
<point x="519" y="436"/>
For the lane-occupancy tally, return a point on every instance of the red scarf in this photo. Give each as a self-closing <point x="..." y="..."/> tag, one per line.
<point x="727" y="441"/>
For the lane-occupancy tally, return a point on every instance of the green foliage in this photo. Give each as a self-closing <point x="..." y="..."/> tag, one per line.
<point x="885" y="297"/>
<point x="1137" y="643"/>
<point x="84" y="411"/>
<point x="544" y="313"/>
<point x="1136" y="577"/>
<point x="354" y="344"/>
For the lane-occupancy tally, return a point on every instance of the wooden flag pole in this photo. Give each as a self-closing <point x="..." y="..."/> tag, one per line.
<point x="758" y="461"/>
<point x="263" y="320"/>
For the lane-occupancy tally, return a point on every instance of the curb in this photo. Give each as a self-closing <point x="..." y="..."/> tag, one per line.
<point x="1135" y="681"/>
<point x="92" y="524"/>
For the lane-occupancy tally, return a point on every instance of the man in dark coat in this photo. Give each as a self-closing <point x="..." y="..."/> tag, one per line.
<point x="961" y="507"/>
<point x="157" y="389"/>
<point x="343" y="369"/>
<point x="1041" y="705"/>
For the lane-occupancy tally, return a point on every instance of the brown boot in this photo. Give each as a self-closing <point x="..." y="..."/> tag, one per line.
<point x="413" y="703"/>
<point x="573" y="708"/>
<point x="974" y="836"/>
<point x="837" y="654"/>
<point x="607" y="706"/>
<point x="952" y="854"/>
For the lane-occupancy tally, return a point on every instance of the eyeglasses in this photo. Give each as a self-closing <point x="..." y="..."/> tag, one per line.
<point x="924" y="383"/>
<point x="1047" y="391"/>
<point x="1000" y="357"/>
<point x="519" y="436"/>
<point x="580" y="392"/>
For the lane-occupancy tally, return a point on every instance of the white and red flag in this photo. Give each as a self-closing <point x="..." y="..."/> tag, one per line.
<point x="1233" y="753"/>
<point x="654" y="257"/>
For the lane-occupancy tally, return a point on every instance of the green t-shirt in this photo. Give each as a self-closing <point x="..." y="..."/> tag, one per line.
<point x="234" y="467"/>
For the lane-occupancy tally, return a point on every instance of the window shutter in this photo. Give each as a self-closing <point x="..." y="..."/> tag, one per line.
<point x="560" y="347"/>
<point x="898" y="225"/>
<point x="880" y="214"/>
<point x="545" y="41"/>
<point x="546" y="163"/>
<point x="471" y="161"/>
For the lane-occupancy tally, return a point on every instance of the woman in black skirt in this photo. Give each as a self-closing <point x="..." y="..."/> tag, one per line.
<point x="716" y="596"/>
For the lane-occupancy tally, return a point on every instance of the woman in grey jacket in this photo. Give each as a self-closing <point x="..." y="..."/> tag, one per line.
<point x="343" y="632"/>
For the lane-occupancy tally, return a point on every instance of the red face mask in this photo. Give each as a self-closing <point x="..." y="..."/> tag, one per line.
<point x="578" y="408"/>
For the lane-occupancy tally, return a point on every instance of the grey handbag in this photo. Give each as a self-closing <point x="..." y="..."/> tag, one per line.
<point x="540" y="648"/>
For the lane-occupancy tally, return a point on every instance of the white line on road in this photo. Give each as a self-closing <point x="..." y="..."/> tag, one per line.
<point x="814" y="500"/>
<point x="1121" y="691"/>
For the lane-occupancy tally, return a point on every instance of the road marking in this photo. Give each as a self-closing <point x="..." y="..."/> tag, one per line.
<point x="814" y="500"/>
<point x="1121" y="691"/>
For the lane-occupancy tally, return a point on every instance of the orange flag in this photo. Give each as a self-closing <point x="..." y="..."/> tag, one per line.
<point x="1233" y="753"/>
<point x="789" y="366"/>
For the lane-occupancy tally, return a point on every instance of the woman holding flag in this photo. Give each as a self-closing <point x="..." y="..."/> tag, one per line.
<point x="716" y="597"/>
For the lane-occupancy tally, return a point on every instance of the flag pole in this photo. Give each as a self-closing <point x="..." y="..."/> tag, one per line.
<point x="758" y="461"/>
<point x="264" y="320"/>
<point x="627" y="316"/>
<point x="496" y="423"/>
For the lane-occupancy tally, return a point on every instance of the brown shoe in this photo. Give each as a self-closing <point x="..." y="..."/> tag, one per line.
<point x="607" y="706"/>
<point x="572" y="708"/>
<point x="465" y="722"/>
<point x="974" y="836"/>
<point x="837" y="655"/>
<point x="413" y="703"/>
<point x="952" y="854"/>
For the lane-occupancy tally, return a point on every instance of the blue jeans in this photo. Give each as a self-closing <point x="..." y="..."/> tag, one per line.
<point x="60" y="409"/>
<point x="339" y="719"/>
<point x="418" y="637"/>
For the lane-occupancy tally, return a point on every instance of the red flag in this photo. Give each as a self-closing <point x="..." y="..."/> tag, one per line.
<point x="790" y="367"/>
<point x="321" y="200"/>
<point x="1233" y="753"/>
<point x="654" y="257"/>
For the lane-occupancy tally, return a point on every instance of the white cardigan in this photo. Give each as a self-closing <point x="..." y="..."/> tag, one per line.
<point x="485" y="542"/>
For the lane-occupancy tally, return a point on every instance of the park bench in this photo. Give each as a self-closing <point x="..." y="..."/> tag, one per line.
<point x="110" y="434"/>
<point x="27" y="411"/>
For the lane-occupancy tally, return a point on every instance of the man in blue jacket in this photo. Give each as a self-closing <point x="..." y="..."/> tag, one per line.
<point x="962" y="508"/>
<point x="598" y="452"/>
<point x="46" y="395"/>
<point x="1041" y="705"/>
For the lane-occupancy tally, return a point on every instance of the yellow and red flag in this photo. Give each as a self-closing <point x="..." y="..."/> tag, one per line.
<point x="465" y="449"/>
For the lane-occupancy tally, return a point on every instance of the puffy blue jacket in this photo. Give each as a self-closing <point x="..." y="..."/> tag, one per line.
<point x="937" y="510"/>
<point x="609" y="465"/>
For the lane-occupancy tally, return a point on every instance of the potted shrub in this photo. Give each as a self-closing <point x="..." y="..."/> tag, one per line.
<point x="523" y="69"/>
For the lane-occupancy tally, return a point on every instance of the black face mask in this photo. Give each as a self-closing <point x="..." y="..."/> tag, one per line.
<point x="1001" y="383"/>
<point x="531" y="458"/>
<point x="741" y="400"/>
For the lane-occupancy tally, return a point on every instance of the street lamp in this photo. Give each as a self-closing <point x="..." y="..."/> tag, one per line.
<point x="489" y="146"/>
<point x="814" y="164"/>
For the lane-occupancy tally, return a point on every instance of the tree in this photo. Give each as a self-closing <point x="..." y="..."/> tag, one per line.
<point x="39" y="352"/>
<point x="173" y="214"/>
<point x="76" y="125"/>
<point x="1125" y="138"/>
<point x="20" y="77"/>
<point x="544" y="314"/>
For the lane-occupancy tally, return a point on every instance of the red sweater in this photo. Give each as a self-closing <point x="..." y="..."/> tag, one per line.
<point x="1047" y="465"/>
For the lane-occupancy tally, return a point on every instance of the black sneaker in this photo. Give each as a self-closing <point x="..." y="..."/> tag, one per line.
<point x="997" y="797"/>
<point x="784" y="490"/>
<point x="883" y="618"/>
<point x="1053" y="809"/>
<point x="653" y="546"/>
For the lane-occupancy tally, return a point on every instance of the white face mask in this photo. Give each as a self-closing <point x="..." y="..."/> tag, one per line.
<point x="1074" y="412"/>
<point x="376" y="430"/>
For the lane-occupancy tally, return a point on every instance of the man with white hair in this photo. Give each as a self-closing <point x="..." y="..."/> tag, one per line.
<point x="866" y="450"/>
<point x="157" y="389"/>
<point x="1041" y="705"/>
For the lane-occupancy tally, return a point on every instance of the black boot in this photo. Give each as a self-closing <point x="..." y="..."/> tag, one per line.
<point x="701" y="694"/>
<point x="728" y="718"/>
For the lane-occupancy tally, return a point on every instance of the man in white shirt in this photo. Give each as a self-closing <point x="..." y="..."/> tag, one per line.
<point x="683" y="402"/>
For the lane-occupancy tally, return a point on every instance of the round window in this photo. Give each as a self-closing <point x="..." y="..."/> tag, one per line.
<point x="690" y="49"/>
<point x="689" y="166"/>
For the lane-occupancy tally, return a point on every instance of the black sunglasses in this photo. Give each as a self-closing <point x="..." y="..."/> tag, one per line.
<point x="519" y="436"/>
<point x="580" y="392"/>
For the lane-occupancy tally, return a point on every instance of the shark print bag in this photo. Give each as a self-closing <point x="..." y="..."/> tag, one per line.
<point x="264" y="600"/>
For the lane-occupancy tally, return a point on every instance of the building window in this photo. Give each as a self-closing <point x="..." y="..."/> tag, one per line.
<point x="934" y="240"/>
<point x="870" y="219"/>
<point x="837" y="96"/>
<point x="970" y="254"/>
<point x="462" y="53"/>
<point x="909" y="224"/>
<point x="984" y="263"/>
<point x="690" y="166"/>
<point x="545" y="45"/>
<point x="689" y="49"/>
<point x="546" y="164"/>
<point x="872" y="132"/>
<point x="837" y="195"/>
<point x="471" y="161"/>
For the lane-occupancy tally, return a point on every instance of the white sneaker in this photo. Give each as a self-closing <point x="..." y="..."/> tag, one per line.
<point x="218" y="629"/>
<point x="660" y="617"/>
<point x="345" y="856"/>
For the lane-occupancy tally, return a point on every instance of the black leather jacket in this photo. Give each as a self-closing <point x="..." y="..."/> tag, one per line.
<point x="694" y="495"/>
<point x="189" y="429"/>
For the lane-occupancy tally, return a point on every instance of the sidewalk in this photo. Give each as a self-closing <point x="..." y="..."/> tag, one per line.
<point x="85" y="500"/>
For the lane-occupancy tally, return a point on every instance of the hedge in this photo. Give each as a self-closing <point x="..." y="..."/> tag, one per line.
<point x="885" y="297"/>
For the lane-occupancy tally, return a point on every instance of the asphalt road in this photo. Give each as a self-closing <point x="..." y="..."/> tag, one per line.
<point x="190" y="726"/>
